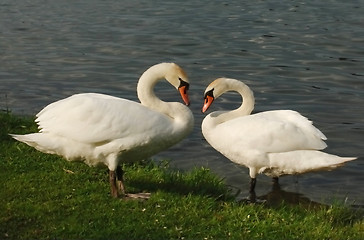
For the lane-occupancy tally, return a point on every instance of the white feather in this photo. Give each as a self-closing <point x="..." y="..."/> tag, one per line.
<point x="273" y="142"/>
<point x="102" y="129"/>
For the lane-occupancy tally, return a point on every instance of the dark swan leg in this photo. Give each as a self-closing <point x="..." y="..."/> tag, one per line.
<point x="116" y="182"/>
<point x="117" y="186"/>
<point x="253" y="181"/>
<point x="252" y="196"/>
<point x="112" y="179"/>
<point x="120" y="178"/>
<point x="275" y="181"/>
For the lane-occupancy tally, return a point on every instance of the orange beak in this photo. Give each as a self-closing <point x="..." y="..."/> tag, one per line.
<point x="183" y="91"/>
<point x="207" y="104"/>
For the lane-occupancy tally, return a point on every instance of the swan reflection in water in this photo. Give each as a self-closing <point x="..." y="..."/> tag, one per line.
<point x="277" y="197"/>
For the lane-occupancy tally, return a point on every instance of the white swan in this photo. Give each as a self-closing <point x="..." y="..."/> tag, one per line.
<point x="106" y="130"/>
<point x="273" y="142"/>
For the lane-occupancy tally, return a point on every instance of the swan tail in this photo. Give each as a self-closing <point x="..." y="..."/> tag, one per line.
<point x="302" y="161"/>
<point x="37" y="140"/>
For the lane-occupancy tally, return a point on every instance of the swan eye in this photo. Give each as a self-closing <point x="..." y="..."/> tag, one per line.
<point x="209" y="93"/>
<point x="183" y="84"/>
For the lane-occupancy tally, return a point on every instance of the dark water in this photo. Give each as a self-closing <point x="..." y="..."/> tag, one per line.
<point x="295" y="55"/>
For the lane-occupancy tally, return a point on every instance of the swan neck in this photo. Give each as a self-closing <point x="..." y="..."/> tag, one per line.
<point x="248" y="100"/>
<point x="147" y="97"/>
<point x="146" y="84"/>
<point x="247" y="105"/>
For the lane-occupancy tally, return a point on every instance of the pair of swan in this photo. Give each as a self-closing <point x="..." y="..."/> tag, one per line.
<point x="106" y="130"/>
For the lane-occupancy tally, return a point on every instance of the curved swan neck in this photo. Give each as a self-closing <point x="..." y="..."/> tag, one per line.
<point x="145" y="87"/>
<point x="247" y="95"/>
<point x="172" y="73"/>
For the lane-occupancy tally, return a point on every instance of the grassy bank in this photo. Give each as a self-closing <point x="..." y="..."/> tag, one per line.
<point x="43" y="196"/>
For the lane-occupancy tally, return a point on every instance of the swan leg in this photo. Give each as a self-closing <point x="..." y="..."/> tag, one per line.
<point x="253" y="182"/>
<point x="120" y="178"/>
<point x="275" y="185"/>
<point x="252" y="196"/>
<point x="112" y="179"/>
<point x="117" y="184"/>
<point x="275" y="180"/>
<point x="121" y="187"/>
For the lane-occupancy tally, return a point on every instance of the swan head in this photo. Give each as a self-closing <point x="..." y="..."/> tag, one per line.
<point x="171" y="72"/>
<point x="222" y="85"/>
<point x="213" y="91"/>
<point x="178" y="78"/>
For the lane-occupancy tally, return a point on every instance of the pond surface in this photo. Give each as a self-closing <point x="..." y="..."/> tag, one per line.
<point x="294" y="55"/>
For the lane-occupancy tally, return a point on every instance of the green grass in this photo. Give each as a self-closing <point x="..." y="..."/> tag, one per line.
<point x="45" y="197"/>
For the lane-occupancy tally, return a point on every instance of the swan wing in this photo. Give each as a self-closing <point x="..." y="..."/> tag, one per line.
<point x="294" y="118"/>
<point x="272" y="131"/>
<point x="98" y="118"/>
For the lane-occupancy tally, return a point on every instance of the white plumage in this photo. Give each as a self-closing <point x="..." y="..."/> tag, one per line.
<point x="102" y="129"/>
<point x="273" y="142"/>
